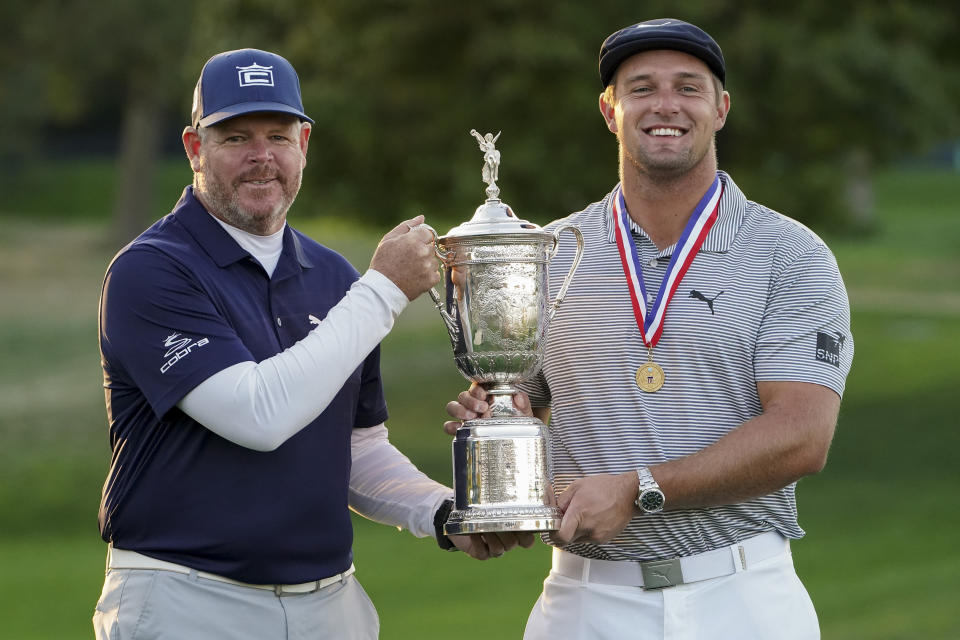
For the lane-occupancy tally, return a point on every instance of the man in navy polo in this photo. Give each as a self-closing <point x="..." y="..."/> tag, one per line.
<point x="243" y="392"/>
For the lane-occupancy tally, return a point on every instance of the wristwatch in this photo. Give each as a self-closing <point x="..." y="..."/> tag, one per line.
<point x="650" y="498"/>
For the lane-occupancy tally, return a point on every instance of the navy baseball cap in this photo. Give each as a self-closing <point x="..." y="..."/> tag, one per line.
<point x="234" y="83"/>
<point x="663" y="33"/>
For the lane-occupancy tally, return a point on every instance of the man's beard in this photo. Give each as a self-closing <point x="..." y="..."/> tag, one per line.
<point x="662" y="169"/>
<point x="223" y="201"/>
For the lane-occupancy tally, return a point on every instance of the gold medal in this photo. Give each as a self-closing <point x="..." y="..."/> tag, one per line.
<point x="650" y="377"/>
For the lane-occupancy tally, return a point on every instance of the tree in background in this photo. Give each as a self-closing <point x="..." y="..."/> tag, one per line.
<point x="823" y="97"/>
<point x="119" y="65"/>
<point x="149" y="38"/>
<point x="820" y="96"/>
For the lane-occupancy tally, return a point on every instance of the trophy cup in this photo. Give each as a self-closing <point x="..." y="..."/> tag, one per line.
<point x="497" y="311"/>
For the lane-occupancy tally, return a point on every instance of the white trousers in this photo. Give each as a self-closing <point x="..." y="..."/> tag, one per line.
<point x="765" y="602"/>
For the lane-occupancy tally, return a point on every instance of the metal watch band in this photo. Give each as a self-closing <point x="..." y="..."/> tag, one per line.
<point x="650" y="498"/>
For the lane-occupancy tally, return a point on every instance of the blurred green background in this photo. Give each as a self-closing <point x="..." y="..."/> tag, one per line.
<point x="846" y="120"/>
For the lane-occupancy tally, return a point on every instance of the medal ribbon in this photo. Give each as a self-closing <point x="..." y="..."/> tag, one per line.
<point x="650" y="321"/>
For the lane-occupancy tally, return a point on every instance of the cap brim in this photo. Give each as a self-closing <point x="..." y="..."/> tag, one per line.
<point x="251" y="107"/>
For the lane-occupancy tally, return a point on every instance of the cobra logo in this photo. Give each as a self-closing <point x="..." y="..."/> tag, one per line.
<point x="179" y="348"/>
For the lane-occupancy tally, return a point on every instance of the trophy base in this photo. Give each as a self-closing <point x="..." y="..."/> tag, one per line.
<point x="500" y="477"/>
<point x="491" y="520"/>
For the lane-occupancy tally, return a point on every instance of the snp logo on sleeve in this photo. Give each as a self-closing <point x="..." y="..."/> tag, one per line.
<point x="179" y="348"/>
<point x="255" y="75"/>
<point x="829" y="347"/>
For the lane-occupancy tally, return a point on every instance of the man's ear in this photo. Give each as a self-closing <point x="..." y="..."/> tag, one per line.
<point x="609" y="113"/>
<point x="722" y="111"/>
<point x="305" y="130"/>
<point x="191" y="145"/>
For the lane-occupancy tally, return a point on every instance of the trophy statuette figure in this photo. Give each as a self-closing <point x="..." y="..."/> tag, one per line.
<point x="497" y="312"/>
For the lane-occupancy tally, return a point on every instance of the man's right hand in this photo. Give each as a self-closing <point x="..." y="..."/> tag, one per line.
<point x="406" y="256"/>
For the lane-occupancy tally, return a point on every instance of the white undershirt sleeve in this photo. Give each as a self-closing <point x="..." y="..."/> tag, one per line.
<point x="261" y="405"/>
<point x="387" y="488"/>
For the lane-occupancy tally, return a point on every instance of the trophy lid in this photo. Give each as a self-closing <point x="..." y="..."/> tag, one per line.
<point x="494" y="217"/>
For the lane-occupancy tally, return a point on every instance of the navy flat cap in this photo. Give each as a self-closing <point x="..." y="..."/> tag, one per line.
<point x="663" y="33"/>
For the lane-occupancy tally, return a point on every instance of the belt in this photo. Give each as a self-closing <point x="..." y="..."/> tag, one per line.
<point x="124" y="559"/>
<point x="657" y="574"/>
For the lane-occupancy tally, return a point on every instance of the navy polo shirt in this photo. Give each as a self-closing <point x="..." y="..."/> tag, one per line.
<point x="180" y="303"/>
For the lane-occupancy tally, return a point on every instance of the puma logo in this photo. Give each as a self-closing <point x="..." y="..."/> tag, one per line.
<point x="699" y="296"/>
<point x="659" y="575"/>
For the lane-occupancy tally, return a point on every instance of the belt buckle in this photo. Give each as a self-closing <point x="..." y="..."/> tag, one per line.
<point x="299" y="589"/>
<point x="658" y="574"/>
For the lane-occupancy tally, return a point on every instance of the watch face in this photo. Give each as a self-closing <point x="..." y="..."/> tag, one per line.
<point x="651" y="500"/>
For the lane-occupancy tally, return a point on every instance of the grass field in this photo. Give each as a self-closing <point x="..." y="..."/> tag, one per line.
<point x="880" y="559"/>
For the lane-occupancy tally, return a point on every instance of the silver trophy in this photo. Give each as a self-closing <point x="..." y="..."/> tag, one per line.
<point x="497" y="311"/>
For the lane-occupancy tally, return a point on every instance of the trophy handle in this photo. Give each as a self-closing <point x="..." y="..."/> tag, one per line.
<point x="573" y="267"/>
<point x="436" y="243"/>
<point x="434" y="294"/>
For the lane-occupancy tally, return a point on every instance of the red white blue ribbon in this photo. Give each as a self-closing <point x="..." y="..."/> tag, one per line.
<point x="650" y="321"/>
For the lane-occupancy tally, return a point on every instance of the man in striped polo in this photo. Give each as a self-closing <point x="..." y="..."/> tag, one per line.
<point x="677" y="438"/>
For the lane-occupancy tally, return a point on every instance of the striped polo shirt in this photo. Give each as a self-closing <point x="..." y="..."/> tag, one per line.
<point x="763" y="300"/>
